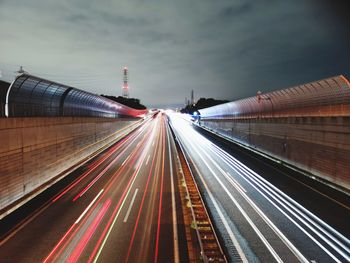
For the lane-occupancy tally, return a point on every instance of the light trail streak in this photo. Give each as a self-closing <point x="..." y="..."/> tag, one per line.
<point x="298" y="181"/>
<point x="160" y="197"/>
<point x="96" y="164"/>
<point x="141" y="206"/>
<point x="103" y="171"/>
<point x="282" y="202"/>
<point x="58" y="245"/>
<point x="279" y="233"/>
<point x="88" y="234"/>
<point x="173" y="203"/>
<point x="109" y="185"/>
<point x="234" y="183"/>
<point x="222" y="217"/>
<point x="290" y="205"/>
<point x="127" y="158"/>
<point x="130" y="206"/>
<point x="246" y="216"/>
<point x="106" y="232"/>
<point x="114" y="177"/>
<point x="87" y="208"/>
<point x="265" y="185"/>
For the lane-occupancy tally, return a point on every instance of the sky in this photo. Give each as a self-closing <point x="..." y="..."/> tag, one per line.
<point x="219" y="49"/>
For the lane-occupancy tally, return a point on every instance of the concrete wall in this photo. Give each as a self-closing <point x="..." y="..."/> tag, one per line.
<point x="320" y="146"/>
<point x="33" y="151"/>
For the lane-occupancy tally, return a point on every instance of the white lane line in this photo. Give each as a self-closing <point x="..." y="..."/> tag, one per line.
<point x="239" y="207"/>
<point x="289" y="204"/>
<point x="148" y="159"/>
<point x="130" y="206"/>
<point x="153" y="143"/>
<point x="276" y="196"/>
<point x="296" y="252"/>
<point x="173" y="204"/>
<point x="265" y="185"/>
<point x="222" y="217"/>
<point x="120" y="208"/>
<point x="126" y="160"/>
<point x="85" y="211"/>
<point x="284" y="239"/>
<point x="234" y="182"/>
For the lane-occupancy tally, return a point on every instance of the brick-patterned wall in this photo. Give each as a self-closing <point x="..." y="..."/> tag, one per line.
<point x="318" y="145"/>
<point x="35" y="150"/>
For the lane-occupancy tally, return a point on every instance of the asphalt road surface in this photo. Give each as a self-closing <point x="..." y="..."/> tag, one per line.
<point x="262" y="213"/>
<point x="122" y="206"/>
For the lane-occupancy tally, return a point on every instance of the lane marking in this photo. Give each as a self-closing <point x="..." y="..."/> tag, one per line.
<point x="126" y="160"/>
<point x="221" y="215"/>
<point x="141" y="207"/>
<point x="223" y="218"/>
<point x="68" y="232"/>
<point x="287" y="204"/>
<point x="103" y="172"/>
<point x="266" y="219"/>
<point x="292" y="178"/>
<point x="94" y="256"/>
<point x="173" y="204"/>
<point x="235" y="183"/>
<point x="130" y="206"/>
<point x="87" y="208"/>
<point x="245" y="170"/>
<point x="112" y="221"/>
<point x="113" y="179"/>
<point x="162" y="128"/>
<point x="148" y="159"/>
<point x="41" y="209"/>
<point x="96" y="164"/>
<point x="245" y="215"/>
<point x="74" y="256"/>
<point x="273" y="227"/>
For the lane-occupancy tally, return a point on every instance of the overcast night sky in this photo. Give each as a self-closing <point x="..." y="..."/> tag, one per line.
<point x="220" y="49"/>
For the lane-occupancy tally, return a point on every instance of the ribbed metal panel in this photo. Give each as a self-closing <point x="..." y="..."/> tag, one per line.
<point x="31" y="96"/>
<point x="328" y="97"/>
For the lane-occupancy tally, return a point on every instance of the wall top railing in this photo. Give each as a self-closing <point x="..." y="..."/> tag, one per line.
<point x="31" y="96"/>
<point x="327" y="97"/>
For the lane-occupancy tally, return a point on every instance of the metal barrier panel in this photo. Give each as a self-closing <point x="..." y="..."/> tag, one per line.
<point x="328" y="97"/>
<point x="31" y="96"/>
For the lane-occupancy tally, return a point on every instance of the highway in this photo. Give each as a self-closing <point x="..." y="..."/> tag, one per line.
<point x="122" y="206"/>
<point x="258" y="219"/>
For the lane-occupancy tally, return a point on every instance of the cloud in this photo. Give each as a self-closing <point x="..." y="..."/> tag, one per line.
<point x="222" y="49"/>
<point x="236" y="10"/>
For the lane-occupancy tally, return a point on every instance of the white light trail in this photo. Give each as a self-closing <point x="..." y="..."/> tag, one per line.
<point x="130" y="206"/>
<point x="87" y="208"/>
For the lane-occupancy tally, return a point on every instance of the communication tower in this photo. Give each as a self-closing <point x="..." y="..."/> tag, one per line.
<point x="125" y="88"/>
